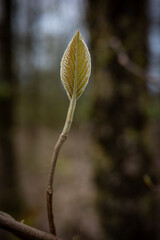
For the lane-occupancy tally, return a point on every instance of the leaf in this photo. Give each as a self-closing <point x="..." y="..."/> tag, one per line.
<point x="75" y="67"/>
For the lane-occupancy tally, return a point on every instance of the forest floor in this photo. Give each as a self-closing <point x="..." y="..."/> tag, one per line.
<point x="74" y="190"/>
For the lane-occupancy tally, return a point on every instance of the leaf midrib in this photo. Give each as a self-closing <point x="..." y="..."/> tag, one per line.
<point x="76" y="68"/>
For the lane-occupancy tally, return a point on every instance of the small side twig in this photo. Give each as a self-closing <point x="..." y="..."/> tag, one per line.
<point x="128" y="64"/>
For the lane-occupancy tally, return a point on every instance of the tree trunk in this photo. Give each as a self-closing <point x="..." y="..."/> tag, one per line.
<point x="10" y="196"/>
<point x="124" y="202"/>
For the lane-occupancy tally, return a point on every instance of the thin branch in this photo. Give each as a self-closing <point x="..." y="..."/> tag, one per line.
<point x="128" y="64"/>
<point x="22" y="230"/>
<point x="57" y="148"/>
<point x="62" y="138"/>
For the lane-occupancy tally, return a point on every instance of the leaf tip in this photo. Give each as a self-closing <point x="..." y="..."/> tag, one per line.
<point x="77" y="33"/>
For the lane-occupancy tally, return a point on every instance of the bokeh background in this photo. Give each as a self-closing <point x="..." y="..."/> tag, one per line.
<point x="108" y="172"/>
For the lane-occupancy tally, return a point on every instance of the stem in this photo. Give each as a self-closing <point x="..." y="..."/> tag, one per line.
<point x="61" y="140"/>
<point x="69" y="118"/>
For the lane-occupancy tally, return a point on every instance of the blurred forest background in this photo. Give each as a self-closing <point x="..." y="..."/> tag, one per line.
<point x="108" y="175"/>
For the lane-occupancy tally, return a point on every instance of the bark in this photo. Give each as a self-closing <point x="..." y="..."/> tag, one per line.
<point x="9" y="200"/>
<point x="124" y="202"/>
<point x="22" y="230"/>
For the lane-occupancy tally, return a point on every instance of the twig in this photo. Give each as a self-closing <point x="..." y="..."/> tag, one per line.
<point x="128" y="64"/>
<point x="57" y="148"/>
<point x="62" y="138"/>
<point x="75" y="72"/>
<point x="22" y="230"/>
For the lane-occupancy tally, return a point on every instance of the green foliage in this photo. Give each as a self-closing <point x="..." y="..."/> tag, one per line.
<point x="75" y="67"/>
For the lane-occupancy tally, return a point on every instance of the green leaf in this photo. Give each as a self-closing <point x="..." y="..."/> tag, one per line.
<point x="75" y="67"/>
